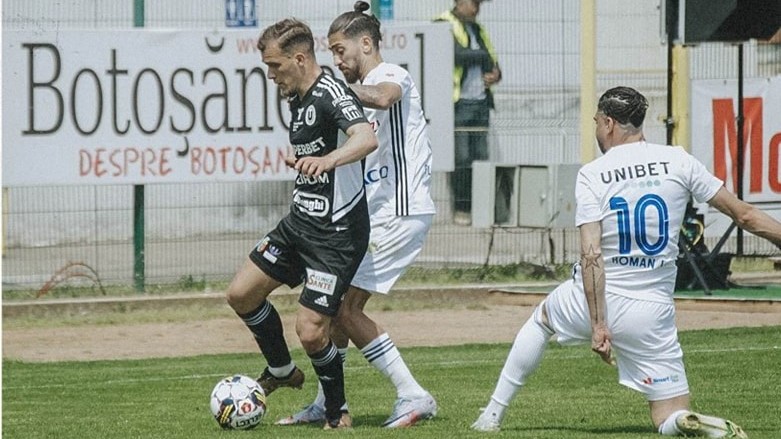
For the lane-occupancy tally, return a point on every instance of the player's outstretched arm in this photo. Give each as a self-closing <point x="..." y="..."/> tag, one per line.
<point x="381" y="96"/>
<point x="361" y="141"/>
<point x="747" y="217"/>
<point x="593" y="273"/>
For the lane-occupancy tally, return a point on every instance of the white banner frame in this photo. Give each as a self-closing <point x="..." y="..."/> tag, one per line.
<point x="152" y="106"/>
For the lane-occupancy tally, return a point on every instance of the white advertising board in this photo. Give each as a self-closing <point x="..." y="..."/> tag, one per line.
<point x="714" y="134"/>
<point x="146" y="106"/>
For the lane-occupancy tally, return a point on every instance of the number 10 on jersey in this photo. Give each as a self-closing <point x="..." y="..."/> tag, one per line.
<point x="625" y="221"/>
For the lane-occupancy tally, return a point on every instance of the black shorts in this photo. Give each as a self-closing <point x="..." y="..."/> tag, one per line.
<point x="325" y="264"/>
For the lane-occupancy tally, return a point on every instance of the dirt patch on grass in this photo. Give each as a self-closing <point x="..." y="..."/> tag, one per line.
<point x="489" y="318"/>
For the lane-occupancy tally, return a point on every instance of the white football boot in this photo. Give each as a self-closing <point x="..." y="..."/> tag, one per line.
<point x="407" y="412"/>
<point x="695" y="424"/>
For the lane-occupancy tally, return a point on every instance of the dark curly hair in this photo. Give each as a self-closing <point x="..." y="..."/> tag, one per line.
<point x="625" y="105"/>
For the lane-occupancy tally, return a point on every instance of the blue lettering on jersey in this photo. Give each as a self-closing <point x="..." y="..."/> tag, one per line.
<point x="375" y="175"/>
<point x="624" y="220"/>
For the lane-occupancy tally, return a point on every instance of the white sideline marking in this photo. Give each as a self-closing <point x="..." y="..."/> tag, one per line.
<point x="367" y="366"/>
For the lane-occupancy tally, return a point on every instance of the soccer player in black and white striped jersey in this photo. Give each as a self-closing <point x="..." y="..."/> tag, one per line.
<point x="397" y="181"/>
<point x="323" y="239"/>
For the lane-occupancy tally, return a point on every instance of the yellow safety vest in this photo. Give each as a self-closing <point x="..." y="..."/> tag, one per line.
<point x="462" y="38"/>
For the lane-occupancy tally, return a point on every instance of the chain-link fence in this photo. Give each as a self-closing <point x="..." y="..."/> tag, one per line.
<point x="205" y="230"/>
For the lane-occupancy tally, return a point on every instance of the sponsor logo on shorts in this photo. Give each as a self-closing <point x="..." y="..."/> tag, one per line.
<point x="270" y="256"/>
<point x="262" y="244"/>
<point x="321" y="282"/>
<point x="268" y="250"/>
<point x="322" y="301"/>
<point x="668" y="379"/>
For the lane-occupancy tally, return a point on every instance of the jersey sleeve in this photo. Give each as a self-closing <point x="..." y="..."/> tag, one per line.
<point x="587" y="206"/>
<point x="395" y="75"/>
<point x="345" y="109"/>
<point x="703" y="184"/>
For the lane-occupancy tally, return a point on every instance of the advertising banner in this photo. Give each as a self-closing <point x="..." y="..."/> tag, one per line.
<point x="714" y="134"/>
<point x="146" y="106"/>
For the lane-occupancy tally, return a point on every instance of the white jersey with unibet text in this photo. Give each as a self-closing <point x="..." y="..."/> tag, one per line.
<point x="398" y="173"/>
<point x="639" y="192"/>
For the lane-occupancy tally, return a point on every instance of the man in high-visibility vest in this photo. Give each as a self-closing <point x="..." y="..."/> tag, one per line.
<point x="476" y="69"/>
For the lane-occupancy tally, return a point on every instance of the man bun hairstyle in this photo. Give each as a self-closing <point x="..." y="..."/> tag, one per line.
<point x="290" y="34"/>
<point x="361" y="6"/>
<point x="624" y="104"/>
<point x="356" y="23"/>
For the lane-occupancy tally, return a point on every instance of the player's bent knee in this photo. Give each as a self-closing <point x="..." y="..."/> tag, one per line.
<point x="313" y="340"/>
<point x="237" y="299"/>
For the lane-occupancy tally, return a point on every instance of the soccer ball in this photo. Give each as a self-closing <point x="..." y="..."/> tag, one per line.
<point x="238" y="402"/>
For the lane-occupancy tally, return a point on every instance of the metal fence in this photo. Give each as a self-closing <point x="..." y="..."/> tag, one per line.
<point x="205" y="230"/>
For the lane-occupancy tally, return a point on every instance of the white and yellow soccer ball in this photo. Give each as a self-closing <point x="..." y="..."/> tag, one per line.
<point x="238" y="402"/>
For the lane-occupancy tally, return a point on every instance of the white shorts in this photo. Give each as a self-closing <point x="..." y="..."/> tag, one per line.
<point x="645" y="338"/>
<point x="393" y="246"/>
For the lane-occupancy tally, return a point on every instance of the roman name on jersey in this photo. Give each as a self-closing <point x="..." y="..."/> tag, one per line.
<point x="639" y="170"/>
<point x="311" y="204"/>
<point x="309" y="148"/>
<point x="636" y="261"/>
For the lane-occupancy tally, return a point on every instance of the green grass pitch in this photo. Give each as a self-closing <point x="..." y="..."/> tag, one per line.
<point x="733" y="373"/>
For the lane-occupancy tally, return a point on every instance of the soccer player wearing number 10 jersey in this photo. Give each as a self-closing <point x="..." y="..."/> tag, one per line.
<point x="630" y="207"/>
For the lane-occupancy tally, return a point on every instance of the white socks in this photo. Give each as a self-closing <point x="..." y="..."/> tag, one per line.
<point x="668" y="427"/>
<point x="385" y="357"/>
<point x="281" y="372"/>
<point x="524" y="358"/>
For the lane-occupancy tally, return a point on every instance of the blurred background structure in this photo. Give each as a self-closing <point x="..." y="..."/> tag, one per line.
<point x="539" y="135"/>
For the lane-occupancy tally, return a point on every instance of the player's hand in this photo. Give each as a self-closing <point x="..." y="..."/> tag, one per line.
<point x="290" y="161"/>
<point x="601" y="343"/>
<point x="314" y="166"/>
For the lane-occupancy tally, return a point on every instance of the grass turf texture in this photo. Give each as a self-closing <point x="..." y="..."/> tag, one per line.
<point x="732" y="373"/>
<point x="769" y="292"/>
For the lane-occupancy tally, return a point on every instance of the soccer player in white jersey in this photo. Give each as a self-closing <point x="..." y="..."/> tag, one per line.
<point x="397" y="181"/>
<point x="630" y="206"/>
